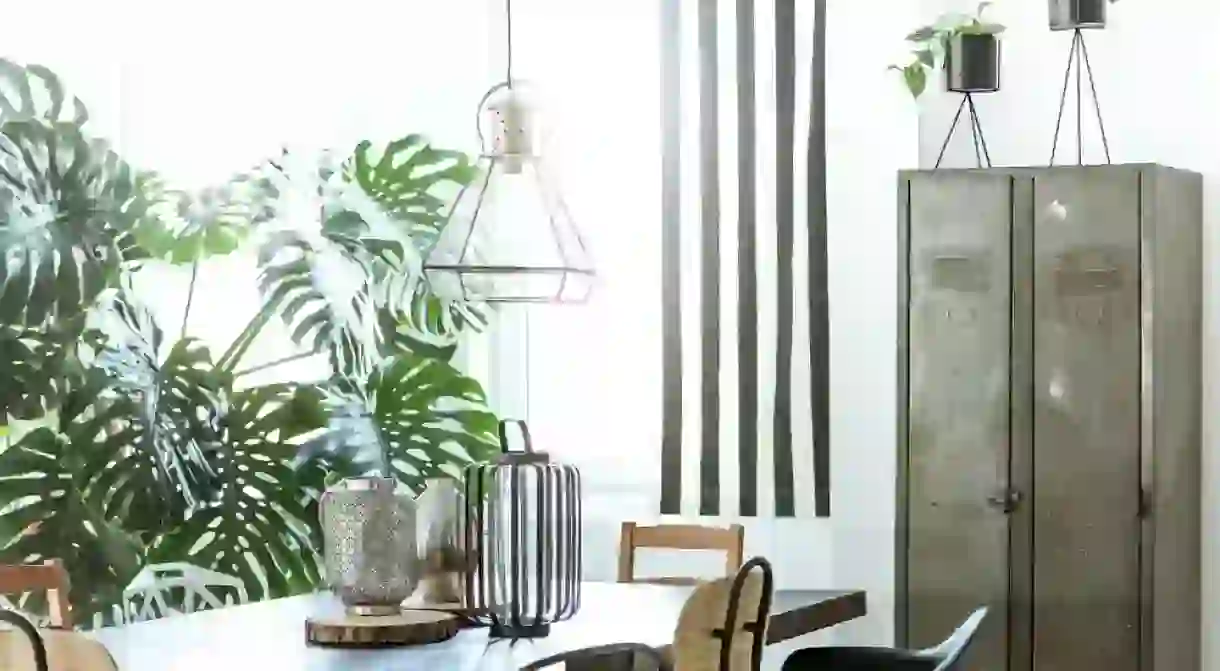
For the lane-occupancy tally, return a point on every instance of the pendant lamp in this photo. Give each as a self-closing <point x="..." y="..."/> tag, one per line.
<point x="509" y="237"/>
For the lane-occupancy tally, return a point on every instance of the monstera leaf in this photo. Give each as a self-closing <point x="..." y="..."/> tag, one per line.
<point x="67" y="206"/>
<point x="344" y="265"/>
<point x="34" y="92"/>
<point x="313" y="266"/>
<point x="44" y="501"/>
<point x="412" y="181"/>
<point x="173" y="397"/>
<point x="319" y="290"/>
<point x="186" y="226"/>
<point x="261" y="525"/>
<point x="37" y="365"/>
<point x="418" y="413"/>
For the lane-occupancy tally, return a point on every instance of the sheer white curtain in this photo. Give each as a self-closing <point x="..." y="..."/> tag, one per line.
<point x="200" y="90"/>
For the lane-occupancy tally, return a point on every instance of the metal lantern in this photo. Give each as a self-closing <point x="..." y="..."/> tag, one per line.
<point x="368" y="533"/>
<point x="509" y="237"/>
<point x="521" y="538"/>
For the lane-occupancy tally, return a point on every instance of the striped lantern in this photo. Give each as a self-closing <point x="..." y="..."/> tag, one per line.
<point x="521" y="527"/>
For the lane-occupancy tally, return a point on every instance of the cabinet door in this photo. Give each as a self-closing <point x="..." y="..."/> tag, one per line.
<point x="1086" y="458"/>
<point x="957" y="407"/>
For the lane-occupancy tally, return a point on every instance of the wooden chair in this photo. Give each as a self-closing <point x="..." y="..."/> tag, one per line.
<point x="49" y="576"/>
<point x="679" y="537"/>
<point x="26" y="648"/>
<point x="722" y="627"/>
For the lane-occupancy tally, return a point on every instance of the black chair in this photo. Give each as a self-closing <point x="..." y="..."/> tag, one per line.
<point x="944" y="657"/>
<point x="613" y="657"/>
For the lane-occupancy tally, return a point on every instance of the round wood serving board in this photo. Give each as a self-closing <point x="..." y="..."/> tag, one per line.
<point x="410" y="627"/>
<point x="452" y="607"/>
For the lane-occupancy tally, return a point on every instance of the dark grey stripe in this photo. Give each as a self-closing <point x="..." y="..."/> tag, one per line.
<point x="671" y="261"/>
<point x="785" y="108"/>
<point x="709" y="130"/>
<point x="747" y="280"/>
<point x="819" y="314"/>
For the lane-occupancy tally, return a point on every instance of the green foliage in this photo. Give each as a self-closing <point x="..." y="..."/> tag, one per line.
<point x="40" y="363"/>
<point x="298" y="279"/>
<point x="172" y="396"/>
<point x="419" y="414"/>
<point x="929" y="44"/>
<point x="257" y="511"/>
<point x="46" y="507"/>
<point x="136" y="444"/>
<point x="407" y="179"/>
<point x="67" y="207"/>
<point x="34" y="92"/>
<point x="184" y="226"/>
<point x="404" y="180"/>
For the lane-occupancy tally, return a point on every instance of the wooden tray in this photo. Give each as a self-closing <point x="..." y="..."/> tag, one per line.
<point x="410" y="627"/>
<point x="455" y="608"/>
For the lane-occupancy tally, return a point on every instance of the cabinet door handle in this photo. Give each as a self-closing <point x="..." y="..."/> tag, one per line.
<point x="1006" y="500"/>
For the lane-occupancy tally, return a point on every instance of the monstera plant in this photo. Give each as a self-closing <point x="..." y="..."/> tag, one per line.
<point x="129" y="442"/>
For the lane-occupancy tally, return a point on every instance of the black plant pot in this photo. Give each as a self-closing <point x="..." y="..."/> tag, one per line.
<point x="1078" y="14"/>
<point x="972" y="64"/>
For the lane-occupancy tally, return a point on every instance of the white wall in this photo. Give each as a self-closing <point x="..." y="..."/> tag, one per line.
<point x="1155" y="70"/>
<point x="872" y="127"/>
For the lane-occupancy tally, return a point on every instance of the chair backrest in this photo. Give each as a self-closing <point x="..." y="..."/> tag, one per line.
<point x="37" y="649"/>
<point x="679" y="537"/>
<point x="950" y="652"/>
<point x="723" y="624"/>
<point x="26" y="648"/>
<point x="50" y="577"/>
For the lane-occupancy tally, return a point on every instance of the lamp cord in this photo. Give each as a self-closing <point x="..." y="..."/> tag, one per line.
<point x="508" y="15"/>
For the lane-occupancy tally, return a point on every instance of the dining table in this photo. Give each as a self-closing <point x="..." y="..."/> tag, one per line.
<point x="270" y="635"/>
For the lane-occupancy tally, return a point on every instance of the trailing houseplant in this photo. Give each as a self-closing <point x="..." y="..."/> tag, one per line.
<point x="932" y="45"/>
<point x="138" y="444"/>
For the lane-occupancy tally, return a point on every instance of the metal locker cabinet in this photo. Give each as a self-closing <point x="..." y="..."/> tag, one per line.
<point x="957" y="324"/>
<point x="1171" y="426"/>
<point x="1100" y="450"/>
<point x="1086" y="437"/>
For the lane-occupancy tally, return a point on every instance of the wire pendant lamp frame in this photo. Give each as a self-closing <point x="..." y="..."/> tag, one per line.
<point x="510" y="237"/>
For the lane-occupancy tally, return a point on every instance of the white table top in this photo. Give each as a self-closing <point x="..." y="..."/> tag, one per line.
<point x="270" y="636"/>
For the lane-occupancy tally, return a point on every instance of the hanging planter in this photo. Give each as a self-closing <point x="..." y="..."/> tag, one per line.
<point x="972" y="63"/>
<point x="1078" y="14"/>
<point x="968" y="48"/>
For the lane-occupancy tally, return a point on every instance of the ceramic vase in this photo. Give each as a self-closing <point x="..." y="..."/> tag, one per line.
<point x="438" y="540"/>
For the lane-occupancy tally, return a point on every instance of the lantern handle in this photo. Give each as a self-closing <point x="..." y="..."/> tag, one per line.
<point x="527" y="443"/>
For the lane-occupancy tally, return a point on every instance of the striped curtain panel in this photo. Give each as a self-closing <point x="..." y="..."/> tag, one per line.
<point x="746" y="370"/>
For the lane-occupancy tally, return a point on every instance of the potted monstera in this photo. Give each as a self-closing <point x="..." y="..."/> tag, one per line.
<point x="1078" y="14"/>
<point x="967" y="47"/>
<point x="129" y="442"/>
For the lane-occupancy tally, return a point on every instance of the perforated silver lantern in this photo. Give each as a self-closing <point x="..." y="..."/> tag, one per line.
<point x="521" y="536"/>
<point x="368" y="539"/>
